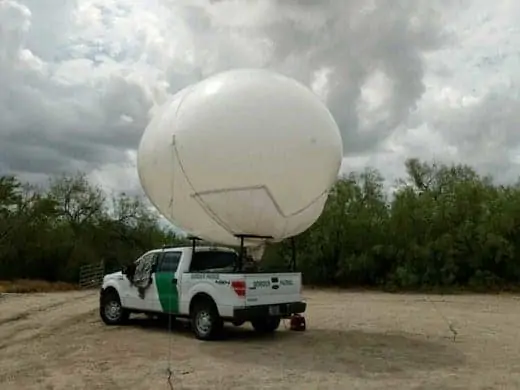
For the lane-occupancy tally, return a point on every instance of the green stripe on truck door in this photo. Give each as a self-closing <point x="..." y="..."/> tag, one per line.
<point x="167" y="291"/>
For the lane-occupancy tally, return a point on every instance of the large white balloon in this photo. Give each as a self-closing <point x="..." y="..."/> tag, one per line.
<point x="241" y="152"/>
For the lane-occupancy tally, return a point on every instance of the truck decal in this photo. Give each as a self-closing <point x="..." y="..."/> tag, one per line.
<point x="167" y="292"/>
<point x="261" y="283"/>
<point x="200" y="275"/>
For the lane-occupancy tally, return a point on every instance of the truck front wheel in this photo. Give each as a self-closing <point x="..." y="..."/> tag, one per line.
<point x="110" y="309"/>
<point x="205" y="320"/>
<point x="266" y="324"/>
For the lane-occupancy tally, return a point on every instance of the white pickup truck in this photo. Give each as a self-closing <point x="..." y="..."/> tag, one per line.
<point x="200" y="284"/>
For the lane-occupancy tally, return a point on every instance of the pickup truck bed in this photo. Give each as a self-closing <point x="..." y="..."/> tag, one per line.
<point x="200" y="285"/>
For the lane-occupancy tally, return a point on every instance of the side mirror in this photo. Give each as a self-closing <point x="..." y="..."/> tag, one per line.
<point x="124" y="270"/>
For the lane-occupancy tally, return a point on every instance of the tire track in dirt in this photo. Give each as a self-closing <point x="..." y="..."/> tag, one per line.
<point x="26" y="314"/>
<point x="38" y="352"/>
<point x="21" y="306"/>
<point x="46" y="320"/>
<point x="43" y="331"/>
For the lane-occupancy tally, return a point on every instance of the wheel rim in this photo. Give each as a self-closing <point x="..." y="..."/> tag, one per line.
<point x="203" y="322"/>
<point x="113" y="310"/>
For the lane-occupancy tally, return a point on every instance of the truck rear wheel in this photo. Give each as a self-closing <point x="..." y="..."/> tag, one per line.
<point x="110" y="309"/>
<point x="266" y="324"/>
<point x="205" y="320"/>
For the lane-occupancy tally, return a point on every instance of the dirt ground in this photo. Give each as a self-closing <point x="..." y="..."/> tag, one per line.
<point x="354" y="341"/>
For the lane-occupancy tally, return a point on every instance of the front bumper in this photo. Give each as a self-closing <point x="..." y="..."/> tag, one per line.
<point x="285" y="310"/>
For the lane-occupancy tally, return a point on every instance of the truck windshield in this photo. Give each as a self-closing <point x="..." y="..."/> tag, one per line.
<point x="213" y="261"/>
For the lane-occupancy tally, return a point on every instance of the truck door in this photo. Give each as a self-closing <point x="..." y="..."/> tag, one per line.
<point x="166" y="281"/>
<point x="131" y="296"/>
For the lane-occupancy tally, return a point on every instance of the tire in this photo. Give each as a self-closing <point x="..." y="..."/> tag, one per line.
<point x="205" y="320"/>
<point x="111" y="311"/>
<point x="266" y="324"/>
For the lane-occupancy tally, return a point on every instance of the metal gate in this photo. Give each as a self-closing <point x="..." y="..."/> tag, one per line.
<point x="91" y="275"/>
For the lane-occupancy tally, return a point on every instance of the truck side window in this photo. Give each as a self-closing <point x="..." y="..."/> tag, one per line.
<point x="169" y="262"/>
<point x="213" y="261"/>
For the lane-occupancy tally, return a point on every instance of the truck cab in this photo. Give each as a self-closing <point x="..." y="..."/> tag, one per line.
<point x="201" y="284"/>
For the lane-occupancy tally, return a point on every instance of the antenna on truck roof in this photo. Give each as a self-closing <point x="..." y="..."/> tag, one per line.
<point x="293" y="254"/>
<point x="194" y="240"/>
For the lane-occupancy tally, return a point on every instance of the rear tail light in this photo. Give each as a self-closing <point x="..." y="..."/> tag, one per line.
<point x="239" y="286"/>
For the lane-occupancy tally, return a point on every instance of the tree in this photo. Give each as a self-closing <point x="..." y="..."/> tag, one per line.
<point x="50" y="234"/>
<point x="444" y="226"/>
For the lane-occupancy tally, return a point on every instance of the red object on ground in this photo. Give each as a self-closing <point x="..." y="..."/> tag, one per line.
<point x="298" y="323"/>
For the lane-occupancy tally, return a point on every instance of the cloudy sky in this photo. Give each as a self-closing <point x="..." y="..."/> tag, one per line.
<point x="428" y="79"/>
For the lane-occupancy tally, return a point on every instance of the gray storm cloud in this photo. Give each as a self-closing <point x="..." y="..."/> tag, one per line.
<point x="355" y="40"/>
<point x="79" y="78"/>
<point x="351" y="40"/>
<point x="72" y="92"/>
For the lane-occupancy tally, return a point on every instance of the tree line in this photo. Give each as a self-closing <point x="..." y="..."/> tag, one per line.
<point x="50" y="233"/>
<point x="443" y="226"/>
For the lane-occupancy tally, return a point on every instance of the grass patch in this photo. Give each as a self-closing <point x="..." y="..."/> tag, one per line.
<point x="24" y="286"/>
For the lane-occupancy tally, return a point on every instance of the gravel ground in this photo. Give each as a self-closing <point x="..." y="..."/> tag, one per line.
<point x="354" y="341"/>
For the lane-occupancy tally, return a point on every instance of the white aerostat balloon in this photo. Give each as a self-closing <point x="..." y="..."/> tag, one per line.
<point x="241" y="152"/>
